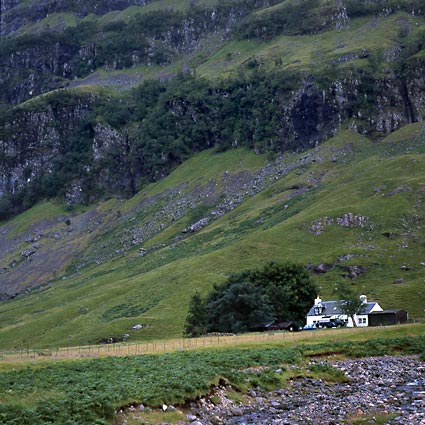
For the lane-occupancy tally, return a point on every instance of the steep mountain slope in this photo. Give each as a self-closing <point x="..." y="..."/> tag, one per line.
<point x="270" y="76"/>
<point x="150" y="148"/>
<point x="350" y="209"/>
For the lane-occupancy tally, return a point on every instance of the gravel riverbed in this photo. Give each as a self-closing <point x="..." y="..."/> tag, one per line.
<point x="392" y="385"/>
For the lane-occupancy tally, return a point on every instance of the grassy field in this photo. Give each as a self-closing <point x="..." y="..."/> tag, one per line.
<point x="31" y="357"/>
<point x="92" y="391"/>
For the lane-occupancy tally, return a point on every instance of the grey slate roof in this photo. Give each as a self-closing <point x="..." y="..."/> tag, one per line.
<point x="331" y="308"/>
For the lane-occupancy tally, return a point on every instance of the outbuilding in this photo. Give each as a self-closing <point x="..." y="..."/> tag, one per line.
<point x="387" y="317"/>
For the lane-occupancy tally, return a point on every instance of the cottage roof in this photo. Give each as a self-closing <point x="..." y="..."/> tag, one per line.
<point x="328" y="308"/>
<point x="332" y="308"/>
<point x="387" y="311"/>
<point x="367" y="308"/>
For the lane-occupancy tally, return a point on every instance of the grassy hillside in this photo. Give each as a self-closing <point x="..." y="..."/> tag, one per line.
<point x="364" y="37"/>
<point x="106" y="268"/>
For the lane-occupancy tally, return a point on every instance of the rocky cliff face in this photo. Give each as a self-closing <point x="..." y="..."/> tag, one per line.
<point x="380" y="105"/>
<point x="16" y="13"/>
<point x="33" y="138"/>
<point x="37" y="63"/>
<point x="29" y="72"/>
<point x="42" y="140"/>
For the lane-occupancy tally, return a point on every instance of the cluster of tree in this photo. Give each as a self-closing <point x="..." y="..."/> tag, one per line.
<point x="160" y="125"/>
<point x="278" y="291"/>
<point x="165" y="123"/>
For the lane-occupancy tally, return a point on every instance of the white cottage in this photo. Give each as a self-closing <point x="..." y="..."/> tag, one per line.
<point x="326" y="311"/>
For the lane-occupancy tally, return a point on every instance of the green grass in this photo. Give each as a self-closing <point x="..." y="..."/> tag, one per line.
<point x="130" y="12"/>
<point x="53" y="22"/>
<point x="42" y="211"/>
<point x="213" y="164"/>
<point x="91" y="391"/>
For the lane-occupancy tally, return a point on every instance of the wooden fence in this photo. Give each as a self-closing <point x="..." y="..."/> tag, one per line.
<point x="137" y="348"/>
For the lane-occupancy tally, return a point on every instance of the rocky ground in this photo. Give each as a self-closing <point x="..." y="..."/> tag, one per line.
<point x="393" y="386"/>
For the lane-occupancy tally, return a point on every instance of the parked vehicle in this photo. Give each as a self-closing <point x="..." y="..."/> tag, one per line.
<point x="309" y="327"/>
<point x="336" y="323"/>
<point x="294" y="327"/>
<point x="330" y="324"/>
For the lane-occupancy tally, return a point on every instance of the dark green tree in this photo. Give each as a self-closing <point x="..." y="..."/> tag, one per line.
<point x="235" y="306"/>
<point x="195" y="324"/>
<point x="277" y="291"/>
<point x="288" y="289"/>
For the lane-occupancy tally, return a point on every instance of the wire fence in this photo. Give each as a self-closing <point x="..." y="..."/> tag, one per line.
<point x="211" y="341"/>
